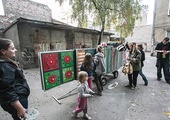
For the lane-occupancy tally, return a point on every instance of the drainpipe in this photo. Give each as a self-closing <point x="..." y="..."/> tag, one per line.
<point x="153" y="29"/>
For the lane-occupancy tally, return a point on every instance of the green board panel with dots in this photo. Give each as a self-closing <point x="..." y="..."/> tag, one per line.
<point x="52" y="79"/>
<point x="68" y="74"/>
<point x="67" y="59"/>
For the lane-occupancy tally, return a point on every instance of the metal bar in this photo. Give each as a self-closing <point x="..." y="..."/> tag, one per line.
<point x="68" y="93"/>
<point x="56" y="99"/>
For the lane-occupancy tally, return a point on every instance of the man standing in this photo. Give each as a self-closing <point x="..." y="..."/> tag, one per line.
<point x="163" y="50"/>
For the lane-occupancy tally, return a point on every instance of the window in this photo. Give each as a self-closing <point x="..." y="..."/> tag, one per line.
<point x="1" y="8"/>
<point x="168" y="34"/>
<point x="169" y="8"/>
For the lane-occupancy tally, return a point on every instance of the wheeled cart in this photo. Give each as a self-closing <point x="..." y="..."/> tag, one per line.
<point x="114" y="60"/>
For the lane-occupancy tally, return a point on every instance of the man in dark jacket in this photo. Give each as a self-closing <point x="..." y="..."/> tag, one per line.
<point x="162" y="50"/>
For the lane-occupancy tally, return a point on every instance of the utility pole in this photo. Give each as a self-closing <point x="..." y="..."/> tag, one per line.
<point x="153" y="28"/>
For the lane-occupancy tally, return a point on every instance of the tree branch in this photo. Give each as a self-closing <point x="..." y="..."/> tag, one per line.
<point x="94" y="2"/>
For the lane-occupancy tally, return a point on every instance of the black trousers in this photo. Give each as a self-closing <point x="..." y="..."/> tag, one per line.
<point x="133" y="78"/>
<point x="163" y="64"/>
<point x="11" y="110"/>
<point x="98" y="82"/>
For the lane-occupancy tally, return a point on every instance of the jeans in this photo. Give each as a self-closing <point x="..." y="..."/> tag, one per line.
<point x="133" y="78"/>
<point x="164" y="63"/>
<point x="98" y="82"/>
<point x="11" y="110"/>
<point x="143" y="76"/>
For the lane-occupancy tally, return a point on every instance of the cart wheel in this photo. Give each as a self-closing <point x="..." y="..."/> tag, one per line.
<point x="115" y="74"/>
<point x="104" y="81"/>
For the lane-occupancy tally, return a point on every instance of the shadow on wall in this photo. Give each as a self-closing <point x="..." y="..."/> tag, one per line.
<point x="28" y="54"/>
<point x="80" y="45"/>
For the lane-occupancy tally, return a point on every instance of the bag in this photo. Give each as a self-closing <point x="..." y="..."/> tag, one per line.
<point x="127" y="68"/>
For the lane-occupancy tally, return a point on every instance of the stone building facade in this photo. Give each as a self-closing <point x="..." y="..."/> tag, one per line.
<point x="142" y="35"/>
<point x="31" y="37"/>
<point x="14" y="9"/>
<point x="142" y="32"/>
<point x="162" y="19"/>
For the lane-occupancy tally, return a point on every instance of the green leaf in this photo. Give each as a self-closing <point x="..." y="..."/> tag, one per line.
<point x="120" y="14"/>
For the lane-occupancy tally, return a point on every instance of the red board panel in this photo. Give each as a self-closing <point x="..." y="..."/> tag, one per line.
<point x="50" y="61"/>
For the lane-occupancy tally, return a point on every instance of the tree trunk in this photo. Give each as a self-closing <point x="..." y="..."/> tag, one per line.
<point x="101" y="34"/>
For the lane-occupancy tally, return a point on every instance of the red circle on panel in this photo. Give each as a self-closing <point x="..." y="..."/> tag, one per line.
<point x="68" y="74"/>
<point x="51" y="61"/>
<point x="67" y="59"/>
<point x="52" y="79"/>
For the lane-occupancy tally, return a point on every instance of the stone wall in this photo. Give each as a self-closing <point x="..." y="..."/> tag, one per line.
<point x="142" y="35"/>
<point x="12" y="34"/>
<point x="83" y="39"/>
<point x="14" y="9"/>
<point x="34" y="39"/>
<point x="162" y="21"/>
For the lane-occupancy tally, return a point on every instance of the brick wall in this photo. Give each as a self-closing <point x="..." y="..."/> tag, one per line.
<point x="14" y="9"/>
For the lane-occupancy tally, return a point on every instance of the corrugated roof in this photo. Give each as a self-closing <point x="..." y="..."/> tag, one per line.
<point x="55" y="26"/>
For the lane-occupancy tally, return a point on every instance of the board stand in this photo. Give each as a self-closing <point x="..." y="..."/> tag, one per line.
<point x="64" y="95"/>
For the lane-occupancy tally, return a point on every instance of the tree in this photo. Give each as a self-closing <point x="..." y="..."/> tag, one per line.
<point x="121" y="13"/>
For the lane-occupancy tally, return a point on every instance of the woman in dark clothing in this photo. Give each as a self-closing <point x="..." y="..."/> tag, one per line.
<point x="140" y="48"/>
<point x="88" y="66"/>
<point x="135" y="59"/>
<point x="14" y="90"/>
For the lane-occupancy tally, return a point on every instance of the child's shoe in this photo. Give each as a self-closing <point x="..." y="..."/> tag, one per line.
<point x="75" y="114"/>
<point x="86" y="116"/>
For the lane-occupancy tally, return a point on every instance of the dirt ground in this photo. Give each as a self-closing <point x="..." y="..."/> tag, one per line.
<point x="143" y="103"/>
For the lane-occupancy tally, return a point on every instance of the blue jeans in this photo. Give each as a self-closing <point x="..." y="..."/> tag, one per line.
<point x="11" y="110"/>
<point x="143" y="76"/>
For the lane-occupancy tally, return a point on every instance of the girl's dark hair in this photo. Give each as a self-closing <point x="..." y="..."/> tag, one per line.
<point x="133" y="47"/>
<point x="88" y="62"/>
<point x="4" y="44"/>
<point x="140" y="47"/>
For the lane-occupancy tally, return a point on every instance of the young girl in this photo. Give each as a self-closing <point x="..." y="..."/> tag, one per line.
<point x="14" y="89"/>
<point x="135" y="58"/>
<point x="99" y="61"/>
<point x="88" y="66"/>
<point x="84" y="93"/>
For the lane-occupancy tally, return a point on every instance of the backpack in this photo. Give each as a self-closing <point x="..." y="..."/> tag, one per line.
<point x="127" y="68"/>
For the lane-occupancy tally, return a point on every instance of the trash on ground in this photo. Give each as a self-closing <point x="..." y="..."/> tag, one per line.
<point x="32" y="114"/>
<point x="111" y="86"/>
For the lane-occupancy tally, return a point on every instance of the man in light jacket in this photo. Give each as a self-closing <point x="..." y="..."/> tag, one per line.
<point x="100" y="64"/>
